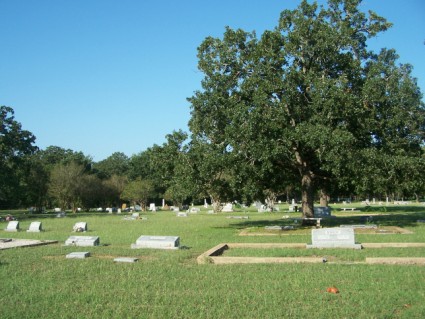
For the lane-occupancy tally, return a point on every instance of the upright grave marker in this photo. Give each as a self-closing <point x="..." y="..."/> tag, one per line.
<point x="13" y="226"/>
<point x="80" y="227"/>
<point x="35" y="227"/>
<point x="333" y="238"/>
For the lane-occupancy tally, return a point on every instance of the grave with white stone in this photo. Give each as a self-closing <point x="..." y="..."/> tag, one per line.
<point x="152" y="207"/>
<point x="13" y="226"/>
<point x="333" y="238"/>
<point x="82" y="241"/>
<point x="35" y="227"/>
<point x="227" y="208"/>
<point x="194" y="210"/>
<point x="60" y="214"/>
<point x="78" y="255"/>
<point x="181" y="214"/>
<point x="238" y="217"/>
<point x="322" y="212"/>
<point x="157" y="242"/>
<point x="80" y="227"/>
<point x="126" y="259"/>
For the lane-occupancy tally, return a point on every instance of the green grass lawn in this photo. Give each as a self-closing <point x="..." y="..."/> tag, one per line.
<point x="39" y="282"/>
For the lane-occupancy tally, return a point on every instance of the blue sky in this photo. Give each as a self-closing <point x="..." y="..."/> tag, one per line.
<point x="103" y="76"/>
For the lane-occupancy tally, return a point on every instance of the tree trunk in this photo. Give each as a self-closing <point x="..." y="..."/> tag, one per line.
<point x="324" y="198"/>
<point x="307" y="193"/>
<point x="216" y="204"/>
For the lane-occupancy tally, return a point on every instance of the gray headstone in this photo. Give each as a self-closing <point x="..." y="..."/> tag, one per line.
<point x="80" y="227"/>
<point x="78" y="255"/>
<point x="320" y="212"/>
<point x="125" y="259"/>
<point x="333" y="238"/>
<point x="158" y="242"/>
<point x="13" y="226"/>
<point x="82" y="241"/>
<point x="35" y="227"/>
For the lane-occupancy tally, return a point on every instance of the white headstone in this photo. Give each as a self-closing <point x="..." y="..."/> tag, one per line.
<point x="125" y="259"/>
<point x="35" y="227"/>
<point x="152" y="207"/>
<point x="333" y="238"/>
<point x="13" y="226"/>
<point x="78" y="255"/>
<point x="228" y="208"/>
<point x="80" y="227"/>
<point x="158" y="242"/>
<point x="82" y="241"/>
<point x="181" y="214"/>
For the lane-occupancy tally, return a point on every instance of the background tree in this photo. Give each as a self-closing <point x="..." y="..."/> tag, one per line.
<point x="15" y="144"/>
<point x="65" y="184"/>
<point x="303" y="94"/>
<point x="116" y="164"/>
<point x="139" y="191"/>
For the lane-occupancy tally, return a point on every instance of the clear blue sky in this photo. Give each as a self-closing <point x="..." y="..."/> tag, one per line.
<point x="103" y="76"/>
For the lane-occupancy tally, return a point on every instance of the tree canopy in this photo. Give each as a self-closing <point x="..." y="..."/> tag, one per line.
<point x="307" y="98"/>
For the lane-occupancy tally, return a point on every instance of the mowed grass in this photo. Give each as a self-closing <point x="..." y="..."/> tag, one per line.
<point x="39" y="282"/>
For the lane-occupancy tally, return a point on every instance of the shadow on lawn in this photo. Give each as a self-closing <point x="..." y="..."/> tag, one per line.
<point x="395" y="218"/>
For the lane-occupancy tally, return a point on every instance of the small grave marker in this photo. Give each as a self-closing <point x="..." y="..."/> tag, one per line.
<point x="158" y="242"/>
<point x="80" y="227"/>
<point x="82" y="241"/>
<point x="333" y="238"/>
<point x="181" y="214"/>
<point x="13" y="226"/>
<point x="320" y="212"/>
<point x="78" y="255"/>
<point x="126" y="259"/>
<point x="35" y="227"/>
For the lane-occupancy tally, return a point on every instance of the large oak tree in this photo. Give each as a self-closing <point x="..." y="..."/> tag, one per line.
<point x="307" y="97"/>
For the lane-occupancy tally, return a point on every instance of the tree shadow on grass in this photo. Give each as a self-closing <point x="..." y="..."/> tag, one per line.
<point x="407" y="219"/>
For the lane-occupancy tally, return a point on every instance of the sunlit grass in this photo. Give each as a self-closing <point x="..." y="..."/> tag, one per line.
<point x="39" y="282"/>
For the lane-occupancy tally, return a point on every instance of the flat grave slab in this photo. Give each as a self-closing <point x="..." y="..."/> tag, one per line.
<point x="78" y="255"/>
<point x="181" y="214"/>
<point x="82" y="241"/>
<point x="238" y="217"/>
<point x="13" y="226"/>
<point x="126" y="259"/>
<point x="157" y="242"/>
<point x="288" y="227"/>
<point x="35" y="227"/>
<point x="6" y="243"/>
<point x="372" y="226"/>
<point x="333" y="238"/>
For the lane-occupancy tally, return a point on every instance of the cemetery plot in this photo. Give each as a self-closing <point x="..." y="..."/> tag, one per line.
<point x="222" y="254"/>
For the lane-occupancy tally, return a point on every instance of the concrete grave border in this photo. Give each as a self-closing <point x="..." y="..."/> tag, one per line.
<point x="214" y="255"/>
